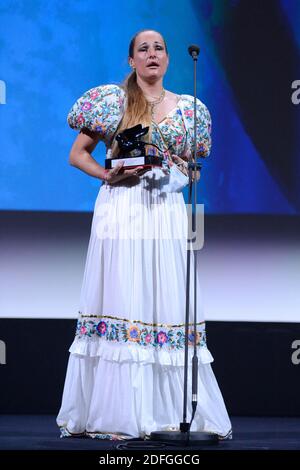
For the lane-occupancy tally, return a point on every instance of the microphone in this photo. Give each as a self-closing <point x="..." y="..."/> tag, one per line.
<point x="194" y="51"/>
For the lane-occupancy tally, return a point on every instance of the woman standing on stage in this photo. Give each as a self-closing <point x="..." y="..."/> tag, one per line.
<point x="125" y="371"/>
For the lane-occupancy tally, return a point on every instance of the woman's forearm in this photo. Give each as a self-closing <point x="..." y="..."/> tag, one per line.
<point x="85" y="162"/>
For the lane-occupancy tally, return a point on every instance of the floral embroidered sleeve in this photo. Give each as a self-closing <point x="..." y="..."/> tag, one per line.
<point x="203" y="128"/>
<point x="98" y="109"/>
<point x="203" y="125"/>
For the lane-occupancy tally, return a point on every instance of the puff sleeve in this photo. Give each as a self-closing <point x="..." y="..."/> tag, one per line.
<point x="203" y="125"/>
<point x="99" y="109"/>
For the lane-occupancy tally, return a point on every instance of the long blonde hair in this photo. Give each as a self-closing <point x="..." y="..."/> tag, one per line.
<point x="137" y="110"/>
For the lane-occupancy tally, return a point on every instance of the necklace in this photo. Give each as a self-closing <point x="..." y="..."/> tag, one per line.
<point x="156" y="102"/>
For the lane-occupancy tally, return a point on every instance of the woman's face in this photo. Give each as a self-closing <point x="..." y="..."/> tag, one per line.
<point x="150" y="58"/>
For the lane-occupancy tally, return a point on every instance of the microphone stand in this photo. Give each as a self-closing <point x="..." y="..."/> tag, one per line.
<point x="185" y="435"/>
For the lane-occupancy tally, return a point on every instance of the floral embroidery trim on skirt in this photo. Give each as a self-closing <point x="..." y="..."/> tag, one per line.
<point x="120" y="330"/>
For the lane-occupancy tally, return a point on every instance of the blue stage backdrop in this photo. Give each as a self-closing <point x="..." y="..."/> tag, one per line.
<point x="248" y="76"/>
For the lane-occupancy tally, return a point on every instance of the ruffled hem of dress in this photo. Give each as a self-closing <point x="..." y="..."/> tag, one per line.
<point x="64" y="432"/>
<point x="135" y="353"/>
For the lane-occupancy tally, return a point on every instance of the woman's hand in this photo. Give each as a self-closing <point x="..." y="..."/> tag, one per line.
<point x="183" y="166"/>
<point x="117" y="173"/>
<point x="80" y="157"/>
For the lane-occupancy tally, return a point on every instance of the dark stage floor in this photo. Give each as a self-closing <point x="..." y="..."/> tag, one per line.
<point x="39" y="432"/>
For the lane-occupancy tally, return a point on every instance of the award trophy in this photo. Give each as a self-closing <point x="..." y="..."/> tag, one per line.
<point x="133" y="150"/>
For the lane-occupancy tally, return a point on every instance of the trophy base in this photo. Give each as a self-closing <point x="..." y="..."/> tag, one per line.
<point x="132" y="162"/>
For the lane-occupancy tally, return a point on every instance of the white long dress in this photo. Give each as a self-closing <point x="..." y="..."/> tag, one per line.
<point x="125" y="372"/>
